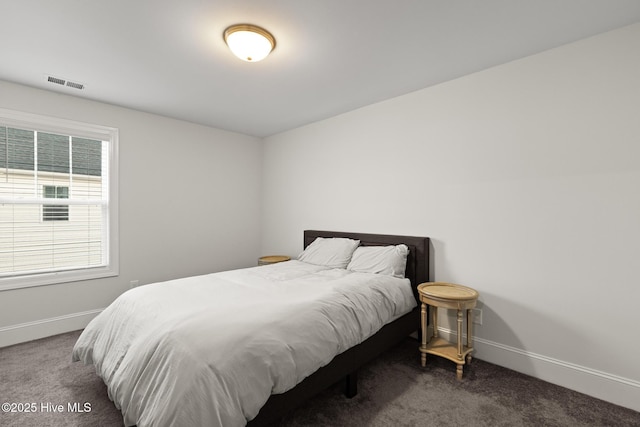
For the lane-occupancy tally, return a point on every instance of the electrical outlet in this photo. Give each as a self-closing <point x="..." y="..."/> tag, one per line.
<point x="477" y="316"/>
<point x="133" y="283"/>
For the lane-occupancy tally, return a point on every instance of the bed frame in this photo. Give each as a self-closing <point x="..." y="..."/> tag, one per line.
<point x="345" y="365"/>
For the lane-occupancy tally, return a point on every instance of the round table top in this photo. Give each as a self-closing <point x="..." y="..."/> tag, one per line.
<point x="444" y="290"/>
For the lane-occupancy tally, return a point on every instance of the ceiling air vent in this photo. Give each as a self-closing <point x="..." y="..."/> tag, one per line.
<point x="63" y="82"/>
<point x="75" y="85"/>
<point x="56" y="80"/>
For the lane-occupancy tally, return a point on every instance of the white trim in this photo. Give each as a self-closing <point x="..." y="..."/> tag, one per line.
<point x="47" y="201"/>
<point x="43" y="123"/>
<point x="56" y="277"/>
<point x="602" y="385"/>
<point x="28" y="331"/>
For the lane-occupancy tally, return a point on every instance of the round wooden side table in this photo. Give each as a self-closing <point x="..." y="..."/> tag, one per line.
<point x="449" y="296"/>
<point x="272" y="259"/>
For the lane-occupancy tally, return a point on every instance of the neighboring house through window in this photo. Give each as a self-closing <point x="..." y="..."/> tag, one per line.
<point x="58" y="200"/>
<point x="55" y="212"/>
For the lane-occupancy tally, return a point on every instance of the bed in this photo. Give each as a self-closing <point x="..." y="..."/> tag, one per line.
<point x="207" y="350"/>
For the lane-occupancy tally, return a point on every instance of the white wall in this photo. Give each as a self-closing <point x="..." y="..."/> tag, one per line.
<point x="209" y="222"/>
<point x="527" y="178"/>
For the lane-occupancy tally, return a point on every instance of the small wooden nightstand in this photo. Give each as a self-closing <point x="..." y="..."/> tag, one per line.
<point x="451" y="296"/>
<point x="272" y="259"/>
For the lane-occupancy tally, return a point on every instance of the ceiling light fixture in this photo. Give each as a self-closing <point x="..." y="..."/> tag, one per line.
<point x="249" y="42"/>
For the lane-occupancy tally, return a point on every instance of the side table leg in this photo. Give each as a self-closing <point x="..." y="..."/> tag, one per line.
<point x="459" y="336"/>
<point x="434" y="320"/>
<point x="459" y="372"/>
<point x="469" y="333"/>
<point x="423" y="326"/>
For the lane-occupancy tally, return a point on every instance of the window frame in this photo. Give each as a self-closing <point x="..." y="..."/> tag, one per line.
<point x="44" y="123"/>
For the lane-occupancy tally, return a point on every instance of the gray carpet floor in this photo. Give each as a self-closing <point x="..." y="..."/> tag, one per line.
<point x="394" y="390"/>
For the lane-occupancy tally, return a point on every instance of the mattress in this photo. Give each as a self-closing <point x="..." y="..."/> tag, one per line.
<point x="211" y="349"/>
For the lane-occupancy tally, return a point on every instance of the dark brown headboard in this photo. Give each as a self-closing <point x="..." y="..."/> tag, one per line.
<point x="417" y="261"/>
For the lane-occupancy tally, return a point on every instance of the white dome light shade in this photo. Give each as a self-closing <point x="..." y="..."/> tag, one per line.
<point x="248" y="42"/>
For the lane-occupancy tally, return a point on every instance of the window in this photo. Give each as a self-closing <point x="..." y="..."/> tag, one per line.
<point x="55" y="212"/>
<point x="58" y="200"/>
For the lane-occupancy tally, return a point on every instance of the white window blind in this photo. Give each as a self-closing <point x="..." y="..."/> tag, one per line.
<point x="58" y="196"/>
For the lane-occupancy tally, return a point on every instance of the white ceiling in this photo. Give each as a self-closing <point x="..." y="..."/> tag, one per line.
<point x="168" y="56"/>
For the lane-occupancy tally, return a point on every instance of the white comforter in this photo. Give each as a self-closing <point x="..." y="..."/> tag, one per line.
<point x="210" y="350"/>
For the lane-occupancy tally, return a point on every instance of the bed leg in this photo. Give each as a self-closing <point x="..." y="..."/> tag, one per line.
<point x="351" y="384"/>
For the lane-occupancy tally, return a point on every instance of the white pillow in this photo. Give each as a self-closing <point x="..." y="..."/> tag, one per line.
<point x="334" y="252"/>
<point x="388" y="260"/>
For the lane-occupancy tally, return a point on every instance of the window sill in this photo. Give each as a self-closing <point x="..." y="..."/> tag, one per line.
<point x="53" y="278"/>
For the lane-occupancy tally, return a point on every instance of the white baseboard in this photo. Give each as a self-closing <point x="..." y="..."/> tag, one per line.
<point x="604" y="386"/>
<point x="23" y="332"/>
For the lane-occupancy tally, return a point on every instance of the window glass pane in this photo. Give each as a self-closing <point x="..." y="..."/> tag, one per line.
<point x="62" y="192"/>
<point x="87" y="156"/>
<point x="16" y="148"/>
<point x="53" y="152"/>
<point x="3" y="147"/>
<point x="49" y="192"/>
